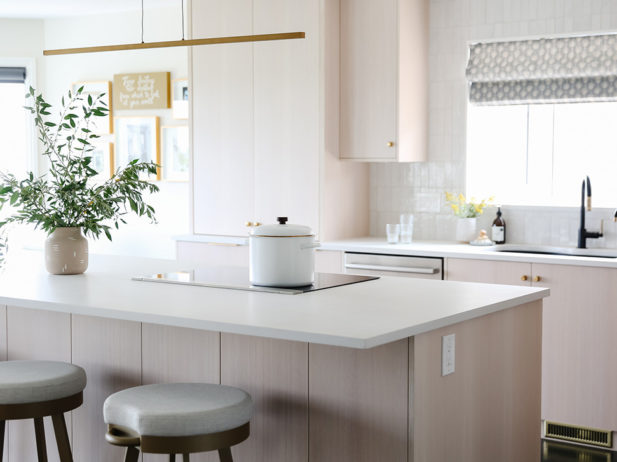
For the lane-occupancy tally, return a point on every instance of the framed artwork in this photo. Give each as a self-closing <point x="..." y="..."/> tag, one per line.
<point x="101" y="125"/>
<point x="180" y="98"/>
<point x="137" y="138"/>
<point x="175" y="162"/>
<point x="103" y="159"/>
<point x="149" y="90"/>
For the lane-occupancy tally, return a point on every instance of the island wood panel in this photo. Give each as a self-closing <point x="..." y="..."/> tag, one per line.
<point x="176" y="354"/>
<point x="358" y="403"/>
<point x="42" y="335"/>
<point x="488" y="271"/>
<point x="579" y="378"/>
<point x="489" y="408"/>
<point x="275" y="373"/>
<point x="110" y="352"/>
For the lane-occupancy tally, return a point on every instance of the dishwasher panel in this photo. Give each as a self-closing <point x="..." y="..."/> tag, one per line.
<point x="371" y="264"/>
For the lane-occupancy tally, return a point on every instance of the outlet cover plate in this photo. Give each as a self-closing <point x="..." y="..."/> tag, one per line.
<point x="447" y="354"/>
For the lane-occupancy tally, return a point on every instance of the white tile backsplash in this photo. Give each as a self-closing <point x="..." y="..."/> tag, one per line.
<point x="419" y="188"/>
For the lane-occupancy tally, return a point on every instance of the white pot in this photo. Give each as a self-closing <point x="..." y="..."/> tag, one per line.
<point x="466" y="229"/>
<point x="282" y="255"/>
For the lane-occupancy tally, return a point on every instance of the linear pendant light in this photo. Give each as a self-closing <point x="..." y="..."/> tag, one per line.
<point x="176" y="43"/>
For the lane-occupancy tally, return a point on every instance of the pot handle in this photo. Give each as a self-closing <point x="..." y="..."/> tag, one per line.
<point x="314" y="245"/>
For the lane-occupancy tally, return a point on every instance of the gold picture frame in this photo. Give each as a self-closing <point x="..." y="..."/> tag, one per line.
<point x="180" y="98"/>
<point x="96" y="87"/>
<point x="137" y="137"/>
<point x="175" y="153"/>
<point x="103" y="159"/>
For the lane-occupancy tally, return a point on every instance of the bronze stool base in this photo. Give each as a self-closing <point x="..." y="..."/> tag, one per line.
<point x="36" y="411"/>
<point x="172" y="445"/>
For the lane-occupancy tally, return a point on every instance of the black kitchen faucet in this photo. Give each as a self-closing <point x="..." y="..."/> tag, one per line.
<point x="583" y="234"/>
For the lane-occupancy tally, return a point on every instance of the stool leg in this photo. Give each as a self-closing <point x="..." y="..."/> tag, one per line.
<point x="225" y="455"/>
<point x="185" y="458"/>
<point x="172" y="458"/>
<point x="132" y="454"/>
<point x="62" y="438"/>
<point x="39" y="432"/>
<point x="2" y="425"/>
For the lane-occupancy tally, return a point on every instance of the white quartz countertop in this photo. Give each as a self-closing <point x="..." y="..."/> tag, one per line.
<point x="361" y="315"/>
<point x="459" y="250"/>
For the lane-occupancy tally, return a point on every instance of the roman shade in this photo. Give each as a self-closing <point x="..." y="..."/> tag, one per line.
<point x="12" y="74"/>
<point x="571" y="69"/>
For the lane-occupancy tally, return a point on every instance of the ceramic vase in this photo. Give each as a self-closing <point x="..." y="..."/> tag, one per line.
<point x="66" y="251"/>
<point x="466" y="229"/>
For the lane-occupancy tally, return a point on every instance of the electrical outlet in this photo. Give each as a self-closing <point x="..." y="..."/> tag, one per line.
<point x="447" y="354"/>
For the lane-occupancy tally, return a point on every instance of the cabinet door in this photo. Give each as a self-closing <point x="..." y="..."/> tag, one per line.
<point x="579" y="345"/>
<point x="287" y="113"/>
<point x="222" y="119"/>
<point x="492" y="272"/>
<point x="369" y="79"/>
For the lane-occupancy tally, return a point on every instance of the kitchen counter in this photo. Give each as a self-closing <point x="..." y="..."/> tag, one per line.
<point x="363" y="315"/>
<point x="459" y="250"/>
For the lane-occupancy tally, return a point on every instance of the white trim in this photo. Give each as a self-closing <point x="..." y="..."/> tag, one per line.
<point x="32" y="161"/>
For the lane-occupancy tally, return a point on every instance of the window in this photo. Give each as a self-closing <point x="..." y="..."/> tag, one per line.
<point x="15" y="142"/>
<point x="538" y="154"/>
<point x="543" y="115"/>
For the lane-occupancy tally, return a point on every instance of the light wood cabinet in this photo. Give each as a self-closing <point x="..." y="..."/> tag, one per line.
<point x="255" y="117"/>
<point x="222" y="119"/>
<point x="579" y="346"/>
<point x="493" y="272"/>
<point x="384" y="80"/>
<point x="263" y="122"/>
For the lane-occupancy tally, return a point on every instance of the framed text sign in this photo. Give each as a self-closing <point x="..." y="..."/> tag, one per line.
<point x="148" y="90"/>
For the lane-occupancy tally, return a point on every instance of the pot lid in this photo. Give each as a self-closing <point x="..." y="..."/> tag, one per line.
<point x="282" y="229"/>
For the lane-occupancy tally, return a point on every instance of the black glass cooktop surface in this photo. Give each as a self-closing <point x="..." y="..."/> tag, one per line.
<point x="238" y="278"/>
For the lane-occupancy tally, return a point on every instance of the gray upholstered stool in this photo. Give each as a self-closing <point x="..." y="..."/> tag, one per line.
<point x="35" y="389"/>
<point x="178" y="418"/>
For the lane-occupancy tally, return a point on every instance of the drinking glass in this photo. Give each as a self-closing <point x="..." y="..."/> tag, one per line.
<point x="406" y="233"/>
<point x="392" y="232"/>
<point x="406" y="219"/>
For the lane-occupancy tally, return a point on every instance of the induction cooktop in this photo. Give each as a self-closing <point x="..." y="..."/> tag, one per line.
<point x="238" y="279"/>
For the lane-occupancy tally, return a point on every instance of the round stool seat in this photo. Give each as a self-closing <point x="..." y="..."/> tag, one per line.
<point x="178" y="409"/>
<point x="36" y="381"/>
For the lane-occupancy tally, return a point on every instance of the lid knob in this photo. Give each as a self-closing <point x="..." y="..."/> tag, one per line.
<point x="282" y="220"/>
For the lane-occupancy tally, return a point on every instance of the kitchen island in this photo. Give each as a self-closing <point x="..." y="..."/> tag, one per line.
<point x="351" y="373"/>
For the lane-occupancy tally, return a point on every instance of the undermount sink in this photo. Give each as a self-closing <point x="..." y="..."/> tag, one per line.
<point x="550" y="250"/>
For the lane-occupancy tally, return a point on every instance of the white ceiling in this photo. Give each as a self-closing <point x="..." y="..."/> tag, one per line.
<point x="62" y="8"/>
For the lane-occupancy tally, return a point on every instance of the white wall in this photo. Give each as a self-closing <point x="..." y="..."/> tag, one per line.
<point x="172" y="203"/>
<point x="419" y="188"/>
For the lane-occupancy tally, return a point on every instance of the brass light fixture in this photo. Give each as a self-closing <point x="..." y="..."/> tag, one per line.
<point x="176" y="43"/>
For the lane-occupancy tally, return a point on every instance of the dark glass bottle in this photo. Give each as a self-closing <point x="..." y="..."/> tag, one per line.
<point x="498" y="230"/>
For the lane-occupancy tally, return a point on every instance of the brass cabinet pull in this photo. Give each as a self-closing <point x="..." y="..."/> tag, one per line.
<point x="524" y="277"/>
<point x="248" y="224"/>
<point x="390" y="144"/>
<point x="257" y="223"/>
<point x="537" y="278"/>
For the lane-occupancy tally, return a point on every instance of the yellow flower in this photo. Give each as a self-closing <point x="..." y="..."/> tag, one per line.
<point x="454" y="207"/>
<point x="449" y="196"/>
<point x="461" y="198"/>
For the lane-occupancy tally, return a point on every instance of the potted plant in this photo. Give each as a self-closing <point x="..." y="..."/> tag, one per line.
<point x="67" y="199"/>
<point x="467" y="212"/>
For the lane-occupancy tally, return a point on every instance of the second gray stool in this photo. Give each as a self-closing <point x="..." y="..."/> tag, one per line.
<point x="178" y="418"/>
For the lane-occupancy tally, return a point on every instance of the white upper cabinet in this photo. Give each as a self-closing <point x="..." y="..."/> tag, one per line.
<point x="256" y="138"/>
<point x="287" y="139"/>
<point x="384" y="80"/>
<point x="222" y="119"/>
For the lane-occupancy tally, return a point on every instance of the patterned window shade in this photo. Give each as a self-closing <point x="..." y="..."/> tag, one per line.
<point x="573" y="69"/>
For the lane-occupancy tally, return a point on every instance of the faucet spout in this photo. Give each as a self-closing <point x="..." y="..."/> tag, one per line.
<point x="583" y="234"/>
